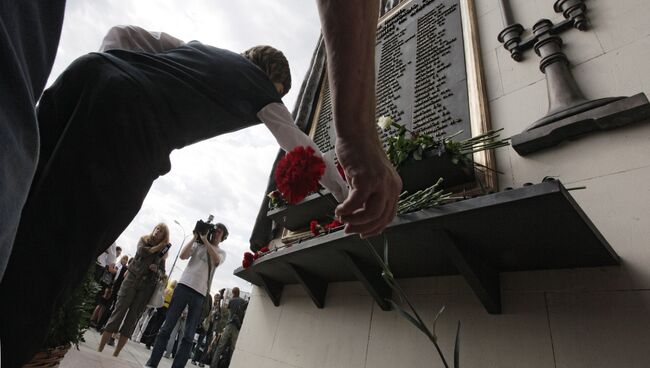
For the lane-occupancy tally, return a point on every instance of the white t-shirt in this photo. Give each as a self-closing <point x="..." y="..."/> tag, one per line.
<point x="108" y="257"/>
<point x="196" y="272"/>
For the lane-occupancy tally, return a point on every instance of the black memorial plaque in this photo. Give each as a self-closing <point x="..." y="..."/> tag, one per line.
<point x="420" y="70"/>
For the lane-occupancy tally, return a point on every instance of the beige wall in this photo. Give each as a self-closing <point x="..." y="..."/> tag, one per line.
<point x="551" y="319"/>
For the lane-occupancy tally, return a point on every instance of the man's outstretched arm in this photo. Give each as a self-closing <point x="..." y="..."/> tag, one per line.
<point x="278" y="119"/>
<point x="349" y="29"/>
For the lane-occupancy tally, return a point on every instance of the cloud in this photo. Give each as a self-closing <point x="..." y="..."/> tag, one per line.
<point x="225" y="176"/>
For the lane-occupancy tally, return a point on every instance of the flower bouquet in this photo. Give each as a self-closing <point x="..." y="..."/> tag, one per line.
<point x="421" y="159"/>
<point x="299" y="197"/>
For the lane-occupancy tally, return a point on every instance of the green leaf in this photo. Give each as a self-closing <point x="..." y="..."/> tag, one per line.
<point x="402" y="130"/>
<point x="391" y="283"/>
<point x="386" y="251"/>
<point x="433" y="329"/>
<point x="410" y="318"/>
<point x="457" y="348"/>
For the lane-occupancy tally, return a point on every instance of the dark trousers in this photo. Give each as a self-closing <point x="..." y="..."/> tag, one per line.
<point x="29" y="37"/>
<point x="184" y="296"/>
<point x="93" y="170"/>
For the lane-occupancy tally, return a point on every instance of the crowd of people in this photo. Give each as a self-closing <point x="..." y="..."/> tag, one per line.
<point x="181" y="320"/>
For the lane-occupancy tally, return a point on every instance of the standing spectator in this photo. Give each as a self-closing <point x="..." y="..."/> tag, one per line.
<point x="236" y="308"/>
<point x="149" y="335"/>
<point x="104" y="274"/>
<point x="205" y="256"/>
<point x="202" y="351"/>
<point x="106" y="263"/>
<point x="122" y="269"/>
<point x="105" y="306"/>
<point x="138" y="286"/>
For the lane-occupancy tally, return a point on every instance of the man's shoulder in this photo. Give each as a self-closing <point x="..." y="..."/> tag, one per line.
<point x="198" y="45"/>
<point x="237" y="300"/>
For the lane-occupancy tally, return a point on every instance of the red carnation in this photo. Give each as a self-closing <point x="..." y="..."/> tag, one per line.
<point x="314" y="227"/>
<point x="256" y="255"/>
<point x="264" y="250"/>
<point x="298" y="173"/>
<point x="248" y="260"/>
<point x="333" y="225"/>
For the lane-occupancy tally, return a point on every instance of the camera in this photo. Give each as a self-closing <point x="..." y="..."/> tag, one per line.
<point x="207" y="228"/>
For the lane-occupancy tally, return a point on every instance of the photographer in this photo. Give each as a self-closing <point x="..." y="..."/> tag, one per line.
<point x="205" y="256"/>
<point x="147" y="268"/>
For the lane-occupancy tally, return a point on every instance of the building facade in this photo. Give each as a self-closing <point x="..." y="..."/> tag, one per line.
<point x="577" y="317"/>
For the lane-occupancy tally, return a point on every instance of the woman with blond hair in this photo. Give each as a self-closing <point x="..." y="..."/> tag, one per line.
<point x="147" y="268"/>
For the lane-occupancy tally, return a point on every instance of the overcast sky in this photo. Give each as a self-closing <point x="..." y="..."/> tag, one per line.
<point x="233" y="168"/>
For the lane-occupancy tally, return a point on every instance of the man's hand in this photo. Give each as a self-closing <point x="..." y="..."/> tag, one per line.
<point x="204" y="238"/>
<point x="374" y="188"/>
<point x="349" y="30"/>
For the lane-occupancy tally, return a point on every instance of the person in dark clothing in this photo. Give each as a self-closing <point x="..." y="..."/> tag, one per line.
<point x="119" y="278"/>
<point x="237" y="309"/>
<point x="108" y="125"/>
<point x="117" y="283"/>
<point x="201" y="350"/>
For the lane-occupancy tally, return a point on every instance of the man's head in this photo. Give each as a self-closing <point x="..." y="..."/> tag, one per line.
<point x="118" y="251"/>
<point x="235" y="292"/>
<point x="274" y="64"/>
<point x="223" y="230"/>
<point x="124" y="260"/>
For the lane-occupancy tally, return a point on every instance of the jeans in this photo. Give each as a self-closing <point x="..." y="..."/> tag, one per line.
<point x="183" y="296"/>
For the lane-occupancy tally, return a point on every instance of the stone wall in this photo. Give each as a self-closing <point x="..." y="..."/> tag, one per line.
<point x="551" y="319"/>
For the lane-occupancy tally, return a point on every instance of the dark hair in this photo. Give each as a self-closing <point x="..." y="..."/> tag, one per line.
<point x="235" y="291"/>
<point x="118" y="248"/>
<point x="224" y="229"/>
<point x="273" y="63"/>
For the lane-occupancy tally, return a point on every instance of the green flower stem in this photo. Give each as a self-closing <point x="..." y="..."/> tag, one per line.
<point x="387" y="275"/>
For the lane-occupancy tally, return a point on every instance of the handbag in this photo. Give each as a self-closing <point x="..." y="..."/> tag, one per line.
<point x="158" y="298"/>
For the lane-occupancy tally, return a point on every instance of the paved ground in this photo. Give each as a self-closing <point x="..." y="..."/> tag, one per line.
<point x="133" y="355"/>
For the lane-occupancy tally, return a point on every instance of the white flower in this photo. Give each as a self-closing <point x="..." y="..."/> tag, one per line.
<point x="385" y="122"/>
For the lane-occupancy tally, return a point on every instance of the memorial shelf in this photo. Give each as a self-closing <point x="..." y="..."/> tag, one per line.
<point x="535" y="227"/>
<point x="415" y="174"/>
